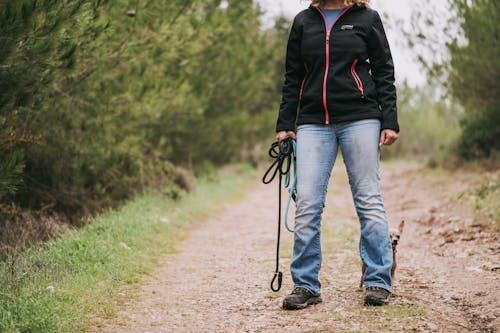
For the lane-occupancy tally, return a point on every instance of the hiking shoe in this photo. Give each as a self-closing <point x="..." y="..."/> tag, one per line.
<point x="300" y="298"/>
<point x="376" y="296"/>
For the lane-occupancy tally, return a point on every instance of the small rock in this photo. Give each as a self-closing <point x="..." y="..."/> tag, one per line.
<point x="469" y="220"/>
<point x="51" y="289"/>
<point x="125" y="246"/>
<point x="165" y="220"/>
<point x="473" y="269"/>
<point x="433" y="327"/>
<point x="486" y="268"/>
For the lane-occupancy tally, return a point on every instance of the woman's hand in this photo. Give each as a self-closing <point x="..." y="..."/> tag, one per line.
<point x="285" y="134"/>
<point x="387" y="137"/>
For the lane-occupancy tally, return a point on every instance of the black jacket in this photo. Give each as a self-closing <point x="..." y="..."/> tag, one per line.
<point x="343" y="75"/>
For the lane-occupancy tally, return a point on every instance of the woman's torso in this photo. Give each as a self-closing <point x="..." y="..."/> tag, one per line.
<point x="337" y="84"/>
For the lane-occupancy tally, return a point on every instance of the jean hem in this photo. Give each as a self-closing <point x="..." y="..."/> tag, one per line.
<point x="315" y="293"/>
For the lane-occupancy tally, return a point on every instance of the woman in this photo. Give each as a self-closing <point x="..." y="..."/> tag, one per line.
<point x="338" y="93"/>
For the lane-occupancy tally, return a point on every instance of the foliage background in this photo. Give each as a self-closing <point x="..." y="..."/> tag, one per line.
<point x="96" y="104"/>
<point x="460" y="54"/>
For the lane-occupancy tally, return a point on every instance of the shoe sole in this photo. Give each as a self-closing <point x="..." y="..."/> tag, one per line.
<point x="310" y="301"/>
<point x="376" y="302"/>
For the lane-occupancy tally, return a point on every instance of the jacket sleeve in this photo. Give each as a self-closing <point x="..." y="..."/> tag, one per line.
<point x="382" y="69"/>
<point x="294" y="74"/>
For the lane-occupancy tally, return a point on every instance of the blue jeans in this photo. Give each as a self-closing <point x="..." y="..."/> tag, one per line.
<point x="317" y="147"/>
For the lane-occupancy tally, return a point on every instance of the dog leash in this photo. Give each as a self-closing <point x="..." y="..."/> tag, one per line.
<point x="283" y="153"/>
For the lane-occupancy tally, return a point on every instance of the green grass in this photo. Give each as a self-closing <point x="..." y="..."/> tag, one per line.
<point x="58" y="286"/>
<point x="485" y="199"/>
<point x="390" y="318"/>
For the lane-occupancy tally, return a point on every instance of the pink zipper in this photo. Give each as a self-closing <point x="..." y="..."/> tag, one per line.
<point x="302" y="88"/>
<point x="303" y="82"/>
<point x="327" y="67"/>
<point x="356" y="77"/>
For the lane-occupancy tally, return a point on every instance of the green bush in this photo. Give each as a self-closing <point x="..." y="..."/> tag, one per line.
<point x="481" y="137"/>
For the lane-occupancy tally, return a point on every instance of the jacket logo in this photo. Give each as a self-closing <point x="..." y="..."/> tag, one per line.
<point x="347" y="27"/>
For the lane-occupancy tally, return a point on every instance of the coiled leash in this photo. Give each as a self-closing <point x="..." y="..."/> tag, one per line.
<point x="283" y="153"/>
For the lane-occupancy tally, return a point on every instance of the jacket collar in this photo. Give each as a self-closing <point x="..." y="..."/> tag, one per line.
<point x="351" y="8"/>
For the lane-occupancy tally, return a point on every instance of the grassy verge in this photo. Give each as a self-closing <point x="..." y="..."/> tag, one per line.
<point x="484" y="199"/>
<point x="54" y="287"/>
<point x="483" y="193"/>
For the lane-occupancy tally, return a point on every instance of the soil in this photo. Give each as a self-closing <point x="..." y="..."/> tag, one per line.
<point x="447" y="278"/>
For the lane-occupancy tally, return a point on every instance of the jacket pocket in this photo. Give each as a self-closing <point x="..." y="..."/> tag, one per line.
<point x="357" y="79"/>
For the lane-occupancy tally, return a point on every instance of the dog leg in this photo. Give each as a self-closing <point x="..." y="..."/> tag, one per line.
<point x="363" y="269"/>
<point x="394" y="266"/>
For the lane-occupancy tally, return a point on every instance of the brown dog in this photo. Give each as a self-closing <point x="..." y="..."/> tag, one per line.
<point x="395" y="235"/>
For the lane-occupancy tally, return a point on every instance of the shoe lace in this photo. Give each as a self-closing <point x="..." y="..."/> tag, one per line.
<point x="301" y="291"/>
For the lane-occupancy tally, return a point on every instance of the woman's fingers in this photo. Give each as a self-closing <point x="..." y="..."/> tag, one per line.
<point x="281" y="135"/>
<point x="285" y="134"/>
<point x="388" y="137"/>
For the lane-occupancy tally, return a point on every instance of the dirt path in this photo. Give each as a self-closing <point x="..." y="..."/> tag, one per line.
<point x="447" y="278"/>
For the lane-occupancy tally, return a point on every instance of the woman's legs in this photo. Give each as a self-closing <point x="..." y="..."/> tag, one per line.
<point x="317" y="147"/>
<point x="316" y="152"/>
<point x="359" y="143"/>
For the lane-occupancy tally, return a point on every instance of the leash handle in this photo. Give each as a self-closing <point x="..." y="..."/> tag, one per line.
<point x="281" y="152"/>
<point x="279" y="277"/>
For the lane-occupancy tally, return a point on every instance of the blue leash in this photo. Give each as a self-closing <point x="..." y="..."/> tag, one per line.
<point x="284" y="155"/>
<point x="292" y="191"/>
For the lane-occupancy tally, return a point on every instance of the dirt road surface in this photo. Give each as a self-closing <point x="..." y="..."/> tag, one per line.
<point x="218" y="280"/>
